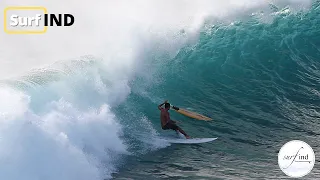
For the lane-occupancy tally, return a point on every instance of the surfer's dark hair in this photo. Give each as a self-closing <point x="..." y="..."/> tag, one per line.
<point x="167" y="105"/>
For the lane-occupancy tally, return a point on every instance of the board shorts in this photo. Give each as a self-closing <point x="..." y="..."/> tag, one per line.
<point x="170" y="125"/>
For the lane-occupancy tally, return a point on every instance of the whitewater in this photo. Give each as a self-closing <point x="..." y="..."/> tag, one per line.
<point x="80" y="102"/>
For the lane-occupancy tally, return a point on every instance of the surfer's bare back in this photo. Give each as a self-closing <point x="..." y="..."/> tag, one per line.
<point x="166" y="122"/>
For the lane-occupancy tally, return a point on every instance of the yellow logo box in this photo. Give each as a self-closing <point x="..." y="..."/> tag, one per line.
<point x="24" y="8"/>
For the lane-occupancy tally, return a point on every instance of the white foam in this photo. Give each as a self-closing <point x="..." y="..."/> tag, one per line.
<point x="61" y="143"/>
<point x="113" y="30"/>
<point x="64" y="142"/>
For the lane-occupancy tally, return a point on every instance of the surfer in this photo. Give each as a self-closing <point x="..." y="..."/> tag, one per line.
<point x="166" y="122"/>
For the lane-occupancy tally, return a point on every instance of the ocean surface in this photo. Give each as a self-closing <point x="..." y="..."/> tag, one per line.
<point x="252" y="66"/>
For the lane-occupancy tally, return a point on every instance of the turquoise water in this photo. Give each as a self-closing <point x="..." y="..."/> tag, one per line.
<point x="260" y="84"/>
<point x="257" y="78"/>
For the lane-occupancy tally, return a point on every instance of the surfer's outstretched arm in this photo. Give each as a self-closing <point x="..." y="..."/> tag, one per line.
<point x="159" y="107"/>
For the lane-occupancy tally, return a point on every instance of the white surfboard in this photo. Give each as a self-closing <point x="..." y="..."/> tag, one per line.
<point x="191" y="141"/>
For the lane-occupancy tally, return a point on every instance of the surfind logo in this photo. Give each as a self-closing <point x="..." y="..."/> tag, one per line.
<point x="296" y="159"/>
<point x="33" y="20"/>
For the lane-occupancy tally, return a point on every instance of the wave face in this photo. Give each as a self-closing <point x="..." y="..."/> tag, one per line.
<point x="90" y="112"/>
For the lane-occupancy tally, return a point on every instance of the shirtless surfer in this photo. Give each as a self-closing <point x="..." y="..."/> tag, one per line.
<point x="166" y="122"/>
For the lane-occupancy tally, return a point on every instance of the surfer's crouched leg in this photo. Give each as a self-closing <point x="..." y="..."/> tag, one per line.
<point x="171" y="125"/>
